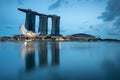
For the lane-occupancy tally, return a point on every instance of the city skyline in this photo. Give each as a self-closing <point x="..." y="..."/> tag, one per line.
<point x="96" y="17"/>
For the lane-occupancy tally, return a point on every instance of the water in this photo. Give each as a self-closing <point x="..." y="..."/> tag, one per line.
<point x="59" y="61"/>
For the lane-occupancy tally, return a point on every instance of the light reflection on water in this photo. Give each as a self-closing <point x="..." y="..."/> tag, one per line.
<point x="59" y="60"/>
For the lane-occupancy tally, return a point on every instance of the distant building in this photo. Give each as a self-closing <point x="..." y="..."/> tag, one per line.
<point x="83" y="36"/>
<point x="43" y="22"/>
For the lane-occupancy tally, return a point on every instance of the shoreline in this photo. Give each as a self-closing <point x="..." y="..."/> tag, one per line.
<point x="18" y="38"/>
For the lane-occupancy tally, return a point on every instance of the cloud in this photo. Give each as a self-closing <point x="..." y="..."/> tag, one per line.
<point x="20" y="2"/>
<point x="117" y="22"/>
<point x="57" y="4"/>
<point x="113" y="34"/>
<point x="112" y="15"/>
<point x="112" y="11"/>
<point x="8" y="27"/>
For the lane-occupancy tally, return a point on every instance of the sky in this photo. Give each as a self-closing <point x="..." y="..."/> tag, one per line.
<point x="100" y="18"/>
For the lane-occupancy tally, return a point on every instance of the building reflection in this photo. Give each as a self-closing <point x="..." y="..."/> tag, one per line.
<point x="55" y="53"/>
<point x="28" y="53"/>
<point x="43" y="52"/>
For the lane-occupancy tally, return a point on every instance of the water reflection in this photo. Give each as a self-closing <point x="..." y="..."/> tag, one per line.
<point x="112" y="68"/>
<point x="30" y="56"/>
<point x="44" y="61"/>
<point x="43" y="52"/>
<point x="28" y="53"/>
<point x="55" y="53"/>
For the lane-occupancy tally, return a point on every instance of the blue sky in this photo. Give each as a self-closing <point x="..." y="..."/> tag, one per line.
<point x="96" y="17"/>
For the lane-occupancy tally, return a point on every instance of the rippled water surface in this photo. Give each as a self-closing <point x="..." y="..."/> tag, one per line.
<point x="59" y="61"/>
